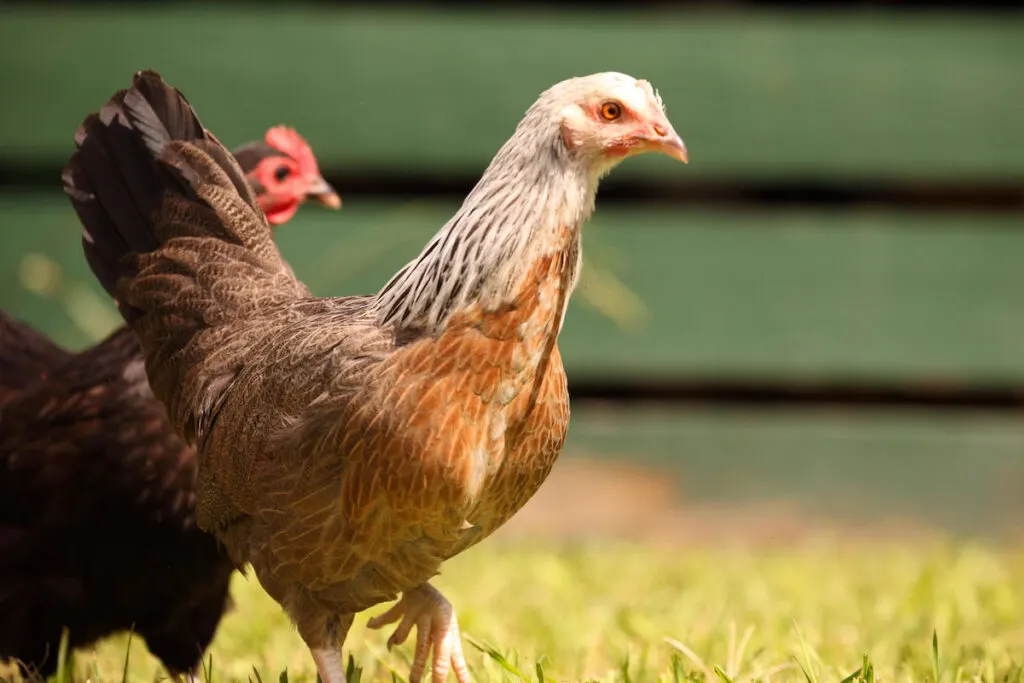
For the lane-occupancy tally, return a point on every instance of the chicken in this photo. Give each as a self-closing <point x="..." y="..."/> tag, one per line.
<point x="283" y="172"/>
<point x="348" y="446"/>
<point x="25" y="356"/>
<point x="97" y="491"/>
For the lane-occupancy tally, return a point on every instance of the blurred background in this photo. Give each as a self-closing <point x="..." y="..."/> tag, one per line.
<point x="818" y="324"/>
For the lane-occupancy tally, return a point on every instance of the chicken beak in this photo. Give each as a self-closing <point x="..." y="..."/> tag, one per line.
<point x="674" y="148"/>
<point x="322" y="192"/>
<point x="662" y="138"/>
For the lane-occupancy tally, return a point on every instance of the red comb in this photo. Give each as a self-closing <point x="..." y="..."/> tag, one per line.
<point x="285" y="139"/>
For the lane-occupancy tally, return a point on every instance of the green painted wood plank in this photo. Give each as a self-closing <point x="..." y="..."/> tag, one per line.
<point x="961" y="473"/>
<point x="756" y="93"/>
<point x="792" y="293"/>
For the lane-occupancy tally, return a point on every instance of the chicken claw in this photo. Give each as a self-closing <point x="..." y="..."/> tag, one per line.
<point x="436" y="626"/>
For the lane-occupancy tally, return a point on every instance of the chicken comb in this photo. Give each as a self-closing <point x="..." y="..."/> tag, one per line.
<point x="287" y="140"/>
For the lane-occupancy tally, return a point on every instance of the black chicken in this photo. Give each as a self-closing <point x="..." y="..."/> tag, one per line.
<point x="97" y="491"/>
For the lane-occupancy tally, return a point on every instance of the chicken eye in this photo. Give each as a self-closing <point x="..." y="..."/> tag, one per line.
<point x="281" y="172"/>
<point x="611" y="111"/>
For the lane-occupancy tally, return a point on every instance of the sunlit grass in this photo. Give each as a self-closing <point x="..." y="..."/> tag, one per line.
<point x="620" y="612"/>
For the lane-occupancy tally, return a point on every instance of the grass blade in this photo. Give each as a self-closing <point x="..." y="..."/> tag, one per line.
<point x="677" y="668"/>
<point x="127" y="654"/>
<point x="722" y="675"/>
<point x="207" y="664"/>
<point x="852" y="677"/>
<point x="494" y="654"/>
<point x="809" y="669"/>
<point x="697" y="661"/>
<point x="63" y="675"/>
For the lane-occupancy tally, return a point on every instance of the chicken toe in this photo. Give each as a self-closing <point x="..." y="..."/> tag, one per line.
<point x="436" y="628"/>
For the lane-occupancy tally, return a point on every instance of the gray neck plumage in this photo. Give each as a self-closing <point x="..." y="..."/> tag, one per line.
<point x="530" y="203"/>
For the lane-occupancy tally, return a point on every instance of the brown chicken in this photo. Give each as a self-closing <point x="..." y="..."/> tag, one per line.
<point x="97" y="491"/>
<point x="348" y="446"/>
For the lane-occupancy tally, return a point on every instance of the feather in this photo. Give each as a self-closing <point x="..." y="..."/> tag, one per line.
<point x="26" y="355"/>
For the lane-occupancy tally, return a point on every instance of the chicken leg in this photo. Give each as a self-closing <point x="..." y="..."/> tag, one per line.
<point x="329" y="635"/>
<point x="436" y="627"/>
<point x="329" y="664"/>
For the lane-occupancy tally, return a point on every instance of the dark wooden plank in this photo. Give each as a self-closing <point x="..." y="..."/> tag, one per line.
<point x="616" y="6"/>
<point x="784" y="392"/>
<point x="400" y="184"/>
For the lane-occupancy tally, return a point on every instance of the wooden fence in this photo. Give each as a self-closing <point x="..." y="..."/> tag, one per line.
<point x="848" y="232"/>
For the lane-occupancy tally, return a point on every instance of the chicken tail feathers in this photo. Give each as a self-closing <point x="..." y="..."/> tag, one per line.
<point x="142" y="162"/>
<point x="173" y="232"/>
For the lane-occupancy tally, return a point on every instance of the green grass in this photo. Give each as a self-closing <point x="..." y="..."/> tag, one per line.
<point x="756" y="93"/>
<point x="625" y="613"/>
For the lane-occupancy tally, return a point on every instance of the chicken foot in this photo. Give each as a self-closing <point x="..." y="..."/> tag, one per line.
<point x="436" y="627"/>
